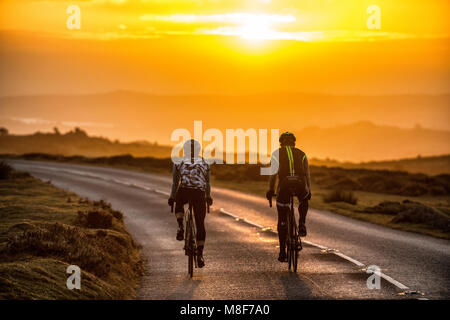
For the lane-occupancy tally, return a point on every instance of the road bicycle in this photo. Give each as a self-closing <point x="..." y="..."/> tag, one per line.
<point x="293" y="241"/>
<point x="190" y="238"/>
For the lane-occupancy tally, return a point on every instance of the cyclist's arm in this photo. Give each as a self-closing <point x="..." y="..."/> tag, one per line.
<point x="274" y="163"/>
<point x="175" y="180"/>
<point x="208" y="183"/>
<point x="307" y="175"/>
<point x="272" y="181"/>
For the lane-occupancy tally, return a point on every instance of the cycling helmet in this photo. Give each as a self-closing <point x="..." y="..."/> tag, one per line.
<point x="192" y="149"/>
<point x="286" y="136"/>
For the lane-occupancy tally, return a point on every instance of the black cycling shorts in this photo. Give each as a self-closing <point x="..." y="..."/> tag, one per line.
<point x="199" y="205"/>
<point x="291" y="186"/>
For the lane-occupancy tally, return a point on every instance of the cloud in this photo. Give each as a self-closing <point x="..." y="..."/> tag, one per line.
<point x="310" y="36"/>
<point x="263" y="27"/>
<point x="233" y="18"/>
<point x="40" y="121"/>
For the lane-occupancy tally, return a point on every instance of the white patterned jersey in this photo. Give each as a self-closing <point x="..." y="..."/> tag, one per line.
<point x="194" y="175"/>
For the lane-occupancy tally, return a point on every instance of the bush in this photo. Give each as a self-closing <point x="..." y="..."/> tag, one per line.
<point x="386" y="207"/>
<point x="5" y="170"/>
<point x="423" y="215"/>
<point x="341" y="196"/>
<point x="96" y="219"/>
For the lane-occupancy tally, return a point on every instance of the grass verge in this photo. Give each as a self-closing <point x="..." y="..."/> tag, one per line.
<point x="44" y="229"/>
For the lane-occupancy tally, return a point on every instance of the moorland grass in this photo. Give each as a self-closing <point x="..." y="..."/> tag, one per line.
<point x="44" y="229"/>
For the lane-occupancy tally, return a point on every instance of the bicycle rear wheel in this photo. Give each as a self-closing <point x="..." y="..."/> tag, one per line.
<point x="295" y="246"/>
<point x="189" y="248"/>
<point x="289" y="243"/>
<point x="292" y="238"/>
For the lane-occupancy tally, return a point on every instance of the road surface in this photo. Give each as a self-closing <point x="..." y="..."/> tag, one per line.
<point x="241" y="256"/>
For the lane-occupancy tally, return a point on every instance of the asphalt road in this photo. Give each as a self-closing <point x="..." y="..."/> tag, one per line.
<point x="241" y="258"/>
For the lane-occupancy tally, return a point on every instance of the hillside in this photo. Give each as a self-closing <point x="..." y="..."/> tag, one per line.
<point x="365" y="141"/>
<point x="77" y="142"/>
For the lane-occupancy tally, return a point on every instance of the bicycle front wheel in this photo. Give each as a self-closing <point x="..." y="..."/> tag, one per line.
<point x="191" y="265"/>
<point x="189" y="248"/>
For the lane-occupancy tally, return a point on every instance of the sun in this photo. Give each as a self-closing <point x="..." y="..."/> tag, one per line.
<point x="255" y="28"/>
<point x="260" y="26"/>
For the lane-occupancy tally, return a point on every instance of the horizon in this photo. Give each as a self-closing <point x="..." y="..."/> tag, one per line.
<point x="50" y="130"/>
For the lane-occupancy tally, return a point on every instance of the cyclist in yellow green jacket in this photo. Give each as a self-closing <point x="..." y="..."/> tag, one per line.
<point x="293" y="174"/>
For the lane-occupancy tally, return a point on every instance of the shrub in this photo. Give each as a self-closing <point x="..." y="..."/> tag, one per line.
<point x="117" y="214"/>
<point x="341" y="196"/>
<point x="99" y="220"/>
<point x="96" y="219"/>
<point x="5" y="170"/>
<point x="102" y="204"/>
<point x="420" y="214"/>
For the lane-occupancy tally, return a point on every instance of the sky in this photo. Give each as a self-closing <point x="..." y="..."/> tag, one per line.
<point x="229" y="47"/>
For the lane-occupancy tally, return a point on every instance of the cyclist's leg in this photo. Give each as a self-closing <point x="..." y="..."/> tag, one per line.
<point x="199" y="203"/>
<point x="303" y="210"/>
<point x="283" y="210"/>
<point x="180" y="201"/>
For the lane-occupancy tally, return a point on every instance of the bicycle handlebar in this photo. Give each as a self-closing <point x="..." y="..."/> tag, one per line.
<point x="270" y="200"/>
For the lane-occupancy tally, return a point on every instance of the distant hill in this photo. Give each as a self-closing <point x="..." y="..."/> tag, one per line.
<point x="365" y="141"/>
<point x="339" y="139"/>
<point x="343" y="127"/>
<point x="428" y="165"/>
<point x="77" y="142"/>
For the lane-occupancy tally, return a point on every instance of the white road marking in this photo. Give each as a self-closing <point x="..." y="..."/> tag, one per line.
<point x="222" y="210"/>
<point x="393" y="281"/>
<point x="339" y="254"/>
<point x="315" y="245"/>
<point x="161" y="192"/>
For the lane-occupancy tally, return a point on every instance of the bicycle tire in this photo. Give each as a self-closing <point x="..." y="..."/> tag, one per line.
<point x="296" y="247"/>
<point x="288" y="243"/>
<point x="191" y="265"/>
<point x="189" y="246"/>
<point x="293" y="239"/>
